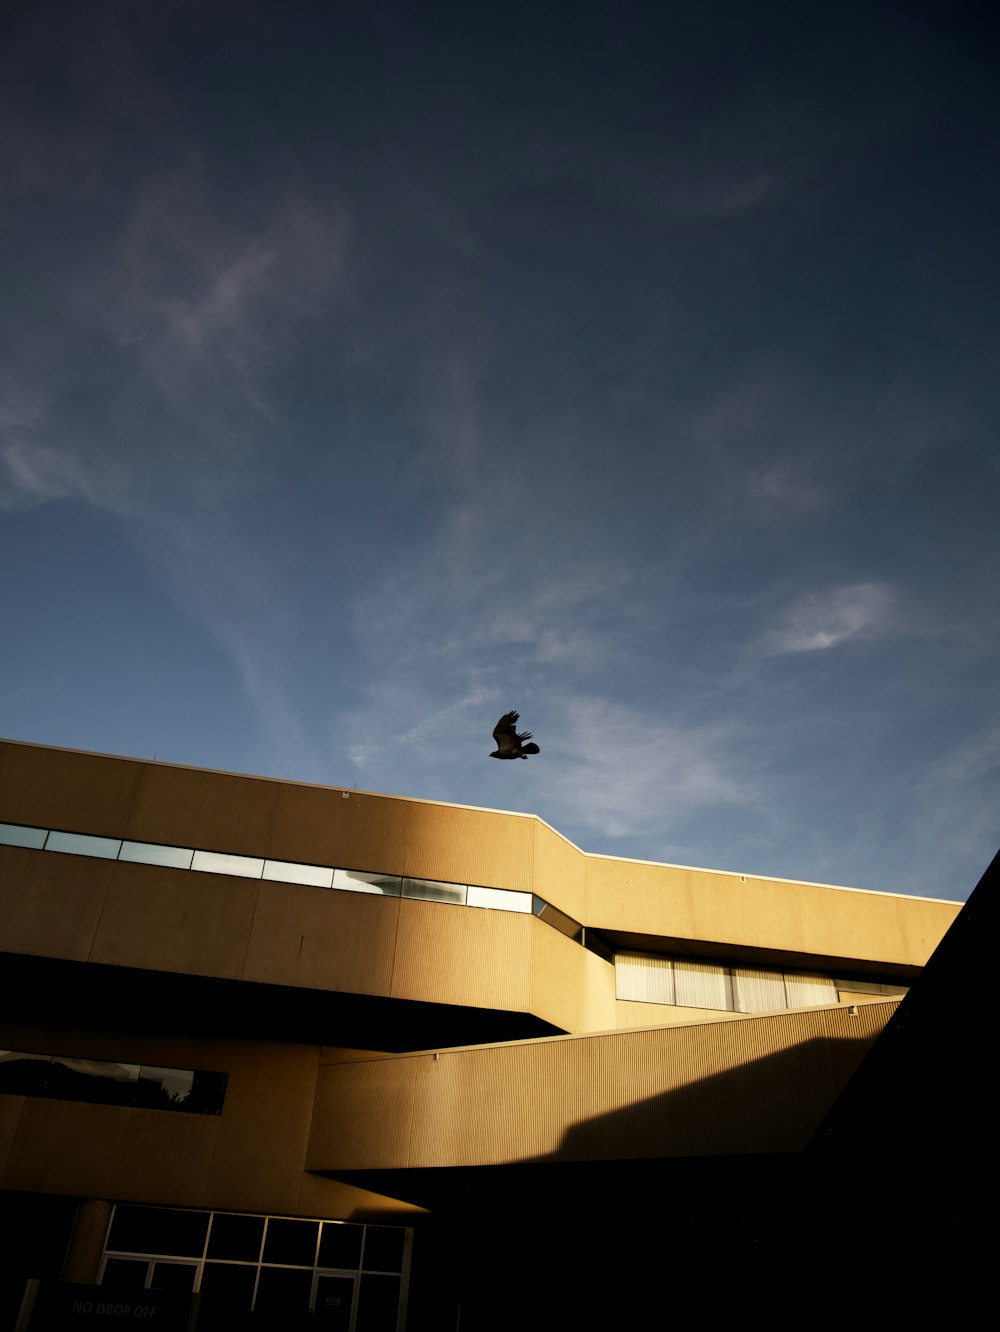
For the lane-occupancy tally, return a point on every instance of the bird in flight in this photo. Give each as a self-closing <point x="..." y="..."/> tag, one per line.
<point x="510" y="744"/>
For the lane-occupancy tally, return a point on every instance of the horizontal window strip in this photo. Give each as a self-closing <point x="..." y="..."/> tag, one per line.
<point x="101" y="1082"/>
<point x="284" y="871"/>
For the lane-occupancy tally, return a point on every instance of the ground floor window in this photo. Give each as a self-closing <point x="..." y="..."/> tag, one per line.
<point x="348" y="1276"/>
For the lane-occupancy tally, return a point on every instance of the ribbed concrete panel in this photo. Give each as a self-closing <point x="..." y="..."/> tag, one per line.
<point x="211" y="810"/>
<point x="324" y="939"/>
<point x="93" y="794"/>
<point x="560" y="872"/>
<point x="759" y="1084"/>
<point x="271" y="1089"/>
<point x="322" y="827"/>
<point x="163" y="1156"/>
<point x="463" y="955"/>
<point x="50" y="905"/>
<point x="65" y="1147"/>
<point x="369" y="1117"/>
<point x="470" y="846"/>
<point x="173" y="920"/>
<point x="570" y="987"/>
<point x="698" y="905"/>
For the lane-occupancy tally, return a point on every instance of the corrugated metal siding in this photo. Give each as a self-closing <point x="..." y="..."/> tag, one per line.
<point x="93" y="794"/>
<point x="44" y="911"/>
<point x="214" y="811"/>
<point x="172" y="920"/>
<point x="570" y="987"/>
<point x="371" y="1117"/>
<point x="356" y="831"/>
<point x="454" y="955"/>
<point x="560" y="872"/>
<point x="470" y="846"/>
<point x="324" y="940"/>
<point x="747" y="1085"/>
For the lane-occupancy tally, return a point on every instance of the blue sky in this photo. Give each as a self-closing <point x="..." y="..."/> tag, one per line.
<point x="370" y="368"/>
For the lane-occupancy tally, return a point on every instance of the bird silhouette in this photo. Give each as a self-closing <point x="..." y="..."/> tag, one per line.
<point x="510" y="743"/>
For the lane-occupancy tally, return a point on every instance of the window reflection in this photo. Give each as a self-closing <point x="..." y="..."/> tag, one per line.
<point x="23" y="1074"/>
<point x="429" y="890"/>
<point x="500" y="899"/>
<point x="285" y="871"/>
<point x="82" y="844"/>
<point x="357" y="881"/>
<point x="69" y="1078"/>
<point x="148" y="853"/>
<point x="13" y="834"/>
<point x="164" y="1088"/>
<point x="557" y="919"/>
<point x="91" y="1080"/>
<point x="217" y="862"/>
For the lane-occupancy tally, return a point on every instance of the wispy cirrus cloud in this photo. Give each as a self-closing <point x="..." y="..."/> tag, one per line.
<point x="822" y="620"/>
<point x="622" y="772"/>
<point x="781" y="490"/>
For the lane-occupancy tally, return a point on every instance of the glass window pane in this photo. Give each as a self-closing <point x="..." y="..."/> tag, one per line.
<point x="285" y="871"/>
<point x="23" y="1074"/>
<point x="357" y="881"/>
<point x="164" y="1088"/>
<point x="217" y="862"/>
<point x="428" y="890"/>
<point x="644" y="978"/>
<point x="557" y="919"/>
<point x="282" y="1291"/>
<point x="169" y="1231"/>
<point x="208" y="1092"/>
<point x="501" y="899"/>
<point x="226" y="1293"/>
<point x="13" y="834"/>
<point x="177" y="1277"/>
<point x="384" y="1249"/>
<point x="758" y="991"/>
<point x="82" y="844"/>
<point x="95" y="1080"/>
<point x="125" y="1273"/>
<point x="148" y="853"/>
<point x="234" y="1236"/>
<point x="804" y="991"/>
<point x="378" y="1304"/>
<point x="701" y="985"/>
<point x="289" y="1241"/>
<point x="340" y="1245"/>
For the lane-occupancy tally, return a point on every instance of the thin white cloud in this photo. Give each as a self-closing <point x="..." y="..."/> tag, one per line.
<point x="782" y="491"/>
<point x="822" y="620"/>
<point x="623" y="773"/>
<point x="32" y="472"/>
<point x="975" y="759"/>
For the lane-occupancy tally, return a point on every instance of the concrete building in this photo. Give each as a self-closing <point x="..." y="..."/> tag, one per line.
<point x="365" y="1062"/>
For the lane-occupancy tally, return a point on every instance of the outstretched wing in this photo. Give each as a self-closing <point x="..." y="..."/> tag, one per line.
<point x="505" y="733"/>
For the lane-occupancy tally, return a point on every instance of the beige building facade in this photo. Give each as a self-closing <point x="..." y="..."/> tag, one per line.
<point x="260" y="1037"/>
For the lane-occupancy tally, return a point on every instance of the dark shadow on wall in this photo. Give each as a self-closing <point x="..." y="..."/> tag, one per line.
<point x="885" y="1217"/>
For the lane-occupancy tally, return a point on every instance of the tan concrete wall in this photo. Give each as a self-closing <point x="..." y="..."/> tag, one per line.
<point x="560" y="872"/>
<point x="759" y="1084"/>
<point x="218" y="925"/>
<point x="249" y="1158"/>
<point x="688" y="904"/>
